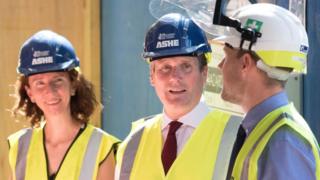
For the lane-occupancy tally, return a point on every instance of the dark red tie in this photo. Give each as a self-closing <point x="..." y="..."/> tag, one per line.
<point x="169" y="152"/>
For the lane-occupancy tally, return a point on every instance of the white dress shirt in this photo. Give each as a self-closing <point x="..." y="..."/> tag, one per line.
<point x="190" y="121"/>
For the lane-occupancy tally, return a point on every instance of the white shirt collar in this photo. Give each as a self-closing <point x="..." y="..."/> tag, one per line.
<point x="192" y="118"/>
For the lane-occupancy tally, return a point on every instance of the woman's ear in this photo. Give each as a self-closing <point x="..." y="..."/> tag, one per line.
<point x="73" y="88"/>
<point x="73" y="92"/>
<point x="29" y="93"/>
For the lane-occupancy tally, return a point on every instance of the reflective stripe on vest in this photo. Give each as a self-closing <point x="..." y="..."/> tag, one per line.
<point x="23" y="147"/>
<point x="223" y="156"/>
<point x="89" y="160"/>
<point x="90" y="156"/>
<point x="130" y="154"/>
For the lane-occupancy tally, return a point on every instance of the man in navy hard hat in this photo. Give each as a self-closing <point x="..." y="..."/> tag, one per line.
<point x="182" y="142"/>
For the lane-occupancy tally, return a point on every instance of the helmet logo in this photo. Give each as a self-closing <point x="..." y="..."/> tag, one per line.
<point x="303" y="48"/>
<point x="41" y="57"/>
<point x="254" y="24"/>
<point x="166" y="40"/>
<point x="163" y="36"/>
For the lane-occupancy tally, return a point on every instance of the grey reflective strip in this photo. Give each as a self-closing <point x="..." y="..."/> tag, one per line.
<point x="244" y="174"/>
<point x="91" y="155"/>
<point x="224" y="153"/>
<point x="23" y="146"/>
<point x="130" y="154"/>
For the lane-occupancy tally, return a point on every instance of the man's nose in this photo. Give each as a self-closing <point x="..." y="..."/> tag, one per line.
<point x="221" y="64"/>
<point x="177" y="72"/>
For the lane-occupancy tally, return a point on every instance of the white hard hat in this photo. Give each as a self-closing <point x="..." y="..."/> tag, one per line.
<point x="283" y="41"/>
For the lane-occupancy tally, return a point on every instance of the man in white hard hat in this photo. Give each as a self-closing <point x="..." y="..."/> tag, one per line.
<point x="278" y="142"/>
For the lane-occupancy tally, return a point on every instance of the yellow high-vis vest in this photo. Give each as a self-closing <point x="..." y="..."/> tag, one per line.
<point x="27" y="156"/>
<point x="205" y="155"/>
<point x="260" y="136"/>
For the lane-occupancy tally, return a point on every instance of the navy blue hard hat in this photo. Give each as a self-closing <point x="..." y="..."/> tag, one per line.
<point x="173" y="35"/>
<point x="46" y="51"/>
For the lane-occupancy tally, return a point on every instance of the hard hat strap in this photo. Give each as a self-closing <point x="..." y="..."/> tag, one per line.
<point x="273" y="72"/>
<point x="248" y="37"/>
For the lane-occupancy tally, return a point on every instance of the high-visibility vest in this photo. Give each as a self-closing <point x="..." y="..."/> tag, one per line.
<point x="27" y="156"/>
<point x="260" y="136"/>
<point x="205" y="155"/>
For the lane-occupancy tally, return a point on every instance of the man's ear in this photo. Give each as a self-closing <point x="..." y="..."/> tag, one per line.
<point x="151" y="74"/>
<point x="205" y="73"/>
<point x="151" y="78"/>
<point x="247" y="62"/>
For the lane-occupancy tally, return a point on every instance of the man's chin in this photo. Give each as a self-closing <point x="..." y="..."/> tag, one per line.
<point x="227" y="97"/>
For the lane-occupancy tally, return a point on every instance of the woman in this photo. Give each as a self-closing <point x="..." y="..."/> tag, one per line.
<point x="58" y="101"/>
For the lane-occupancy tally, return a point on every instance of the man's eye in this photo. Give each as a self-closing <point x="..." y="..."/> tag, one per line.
<point x="186" y="67"/>
<point x="38" y="83"/>
<point x="165" y="69"/>
<point x="59" y="80"/>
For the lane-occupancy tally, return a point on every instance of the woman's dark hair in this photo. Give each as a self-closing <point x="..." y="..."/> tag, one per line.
<point x="82" y="103"/>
